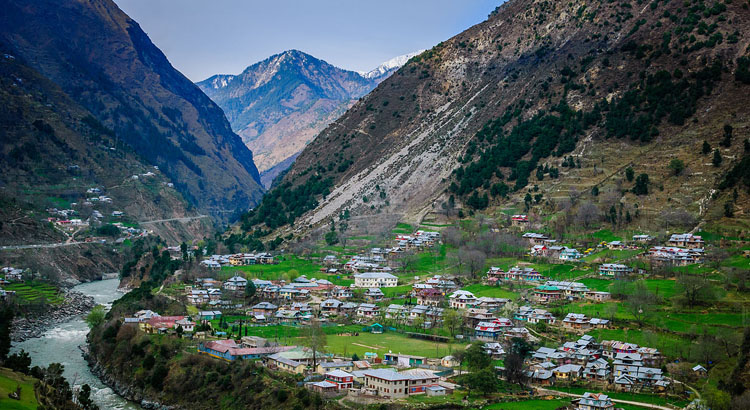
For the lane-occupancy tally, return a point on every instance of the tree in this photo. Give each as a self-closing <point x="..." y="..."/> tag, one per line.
<point x="676" y="165"/>
<point x="727" y="140"/>
<point x="641" y="302"/>
<point x="84" y="398"/>
<point x="641" y="185"/>
<point x="629" y="174"/>
<point x="314" y="338"/>
<point x="475" y="260"/>
<point x="355" y="358"/>
<point x="95" y="317"/>
<point x="695" y="290"/>
<point x="717" y="158"/>
<point x="180" y="331"/>
<point x="331" y="237"/>
<point x="18" y="362"/>
<point x="483" y="381"/>
<point x="6" y="321"/>
<point x="476" y="358"/>
<point x="587" y="214"/>
<point x="595" y="191"/>
<point x="706" y="148"/>
<point x="452" y="320"/>
<point x="184" y="250"/>
<point x="250" y="289"/>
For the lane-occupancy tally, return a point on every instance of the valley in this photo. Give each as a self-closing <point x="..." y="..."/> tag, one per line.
<point x="546" y="210"/>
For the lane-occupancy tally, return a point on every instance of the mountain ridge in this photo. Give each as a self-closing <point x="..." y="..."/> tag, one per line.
<point x="105" y="62"/>
<point x="279" y="104"/>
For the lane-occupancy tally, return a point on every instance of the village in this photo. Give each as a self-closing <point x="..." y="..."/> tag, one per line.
<point x="390" y="334"/>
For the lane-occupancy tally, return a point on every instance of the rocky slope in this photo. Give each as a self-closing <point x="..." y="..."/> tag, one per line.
<point x="612" y="84"/>
<point x="280" y="104"/>
<point x="53" y="151"/>
<point x="103" y="61"/>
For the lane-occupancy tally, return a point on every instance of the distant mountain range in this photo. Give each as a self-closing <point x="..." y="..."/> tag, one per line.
<point x="280" y="104"/>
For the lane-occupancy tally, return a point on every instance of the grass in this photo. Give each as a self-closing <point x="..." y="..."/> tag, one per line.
<point x="643" y="398"/>
<point x="480" y="290"/>
<point x="403" y="228"/>
<point x="288" y="268"/>
<point x="36" y="292"/>
<point x="387" y="342"/>
<point x="8" y="382"/>
<point x="396" y="291"/>
<point x="535" y="404"/>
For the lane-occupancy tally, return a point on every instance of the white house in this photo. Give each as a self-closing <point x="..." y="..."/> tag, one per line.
<point x="375" y="280"/>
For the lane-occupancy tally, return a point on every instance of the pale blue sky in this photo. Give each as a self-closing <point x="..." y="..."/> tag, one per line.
<point x="206" y="37"/>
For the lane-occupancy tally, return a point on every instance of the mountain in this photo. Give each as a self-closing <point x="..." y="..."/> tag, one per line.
<point x="534" y="108"/>
<point x="280" y="104"/>
<point x="389" y="67"/>
<point x="103" y="61"/>
<point x="53" y="151"/>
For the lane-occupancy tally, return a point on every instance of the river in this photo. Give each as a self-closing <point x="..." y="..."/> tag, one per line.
<point x="60" y="345"/>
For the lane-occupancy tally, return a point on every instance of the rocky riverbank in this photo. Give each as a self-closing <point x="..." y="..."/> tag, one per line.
<point x="122" y="389"/>
<point x="30" y="326"/>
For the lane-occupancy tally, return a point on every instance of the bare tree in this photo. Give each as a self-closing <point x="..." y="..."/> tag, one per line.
<point x="314" y="338"/>
<point x="587" y="215"/>
<point x="452" y="236"/>
<point x="475" y="260"/>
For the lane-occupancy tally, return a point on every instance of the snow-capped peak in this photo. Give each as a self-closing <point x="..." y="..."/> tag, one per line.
<point x="395" y="62"/>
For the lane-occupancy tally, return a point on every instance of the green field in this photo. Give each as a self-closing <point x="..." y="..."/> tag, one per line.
<point x="8" y="382"/>
<point x="385" y="342"/>
<point x="289" y="268"/>
<point x="480" y="290"/>
<point x="643" y="398"/>
<point x="36" y="292"/>
<point x="534" y="404"/>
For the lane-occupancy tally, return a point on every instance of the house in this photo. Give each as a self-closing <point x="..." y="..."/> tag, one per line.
<point x="597" y="370"/>
<point x="642" y="238"/>
<point x="395" y="311"/>
<point x="160" y="324"/>
<point x="342" y="379"/>
<point x="535" y="238"/>
<point x="449" y="361"/>
<point x="494" y="350"/>
<point x="324" y="387"/>
<point x="517" y="332"/>
<point x="404" y="360"/>
<point x="229" y="350"/>
<point x="686" y="240"/>
<point x="595" y="401"/>
<point x="579" y="321"/>
<point x="186" y="324"/>
<point x="460" y="298"/>
<point x="616" y="245"/>
<point x="375" y="280"/>
<point x="198" y="297"/>
<point x="330" y="260"/>
<point x="374" y="294"/>
<point x="278" y="361"/>
<point x="394" y="385"/>
<point x="519" y="220"/>
<point x="367" y="310"/>
<point x="324" y="367"/>
<point x="209" y="315"/>
<point x="340" y="293"/>
<point x="700" y="370"/>
<point x="547" y="293"/>
<point x="570" y="254"/>
<point x="567" y="372"/>
<point x="490" y="330"/>
<point x="264" y="308"/>
<point x="522" y="274"/>
<point x="430" y="297"/>
<point x="598" y="296"/>
<point x="531" y="315"/>
<point x="614" y="269"/>
<point x="12" y="274"/>
<point x="348" y="308"/>
<point x="236" y="283"/>
<point x="330" y="306"/>
<point x="541" y="377"/>
<point x="491" y="304"/>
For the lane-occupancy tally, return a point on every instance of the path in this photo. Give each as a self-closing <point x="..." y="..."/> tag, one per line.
<point x="44" y="245"/>
<point x="634" y="403"/>
<point x="183" y="219"/>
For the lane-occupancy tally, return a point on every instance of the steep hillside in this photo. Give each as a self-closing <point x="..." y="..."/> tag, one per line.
<point x="280" y="104"/>
<point x="53" y="151"/>
<point x="507" y="104"/>
<point x="104" y="61"/>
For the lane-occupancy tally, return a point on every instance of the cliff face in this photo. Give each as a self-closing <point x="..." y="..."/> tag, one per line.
<point x="104" y="61"/>
<point x="614" y="84"/>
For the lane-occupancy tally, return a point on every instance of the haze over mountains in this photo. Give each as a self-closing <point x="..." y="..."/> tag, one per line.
<point x="280" y="104"/>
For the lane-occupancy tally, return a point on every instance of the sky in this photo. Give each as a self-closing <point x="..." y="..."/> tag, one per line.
<point x="206" y="37"/>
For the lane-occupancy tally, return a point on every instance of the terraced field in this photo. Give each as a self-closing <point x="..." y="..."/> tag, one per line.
<point x="36" y="292"/>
